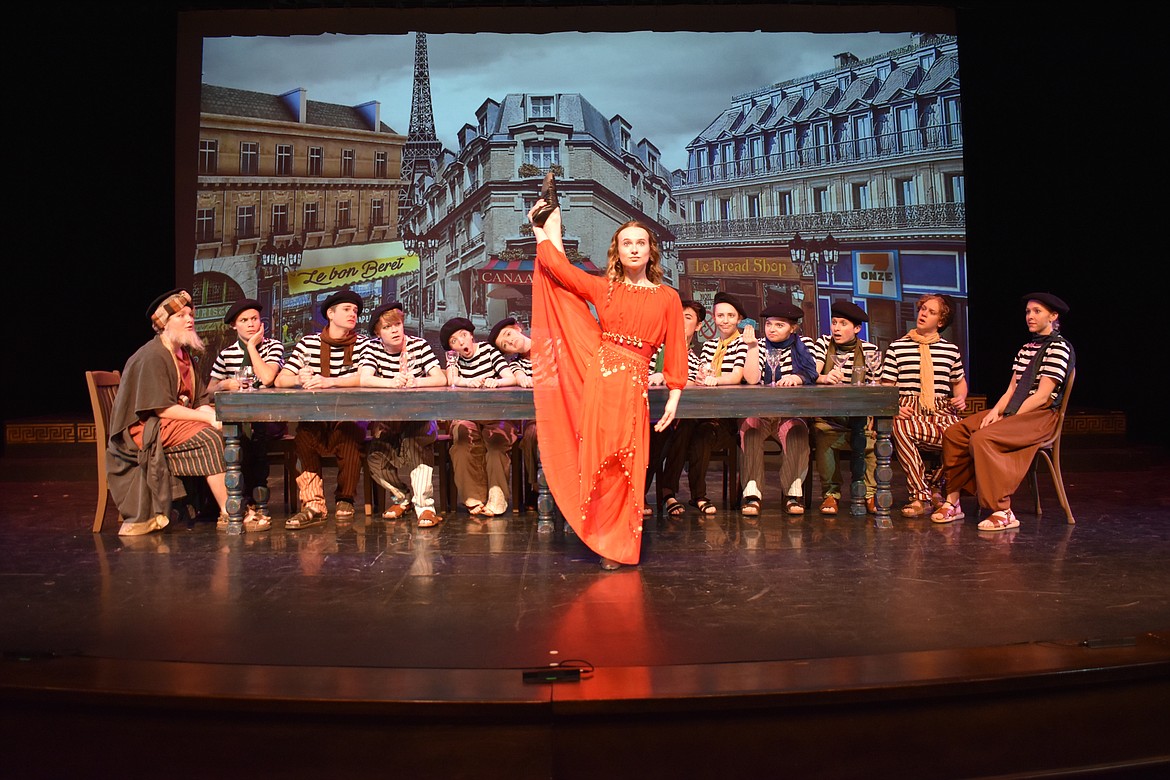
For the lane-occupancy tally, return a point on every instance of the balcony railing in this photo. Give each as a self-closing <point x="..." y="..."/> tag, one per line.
<point x="936" y="215"/>
<point x="883" y="147"/>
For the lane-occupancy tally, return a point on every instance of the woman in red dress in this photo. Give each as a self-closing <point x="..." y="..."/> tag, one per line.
<point x="590" y="378"/>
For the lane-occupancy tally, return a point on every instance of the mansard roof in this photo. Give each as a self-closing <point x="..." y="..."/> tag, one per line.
<point x="859" y="93"/>
<point x="754" y="118"/>
<point x="722" y="126"/>
<point x="228" y="101"/>
<point x="900" y="80"/>
<point x="818" y="102"/>
<point x="786" y="109"/>
<point x="944" y="70"/>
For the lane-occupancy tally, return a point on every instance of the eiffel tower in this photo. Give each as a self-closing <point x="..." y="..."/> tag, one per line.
<point x="421" y="154"/>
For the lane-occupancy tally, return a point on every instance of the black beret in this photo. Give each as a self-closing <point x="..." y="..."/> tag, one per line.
<point x="239" y="308"/>
<point x="498" y="327"/>
<point x="1050" y="301"/>
<point x="728" y="298"/>
<point x="341" y="296"/>
<point x="850" y="311"/>
<point x="159" y="300"/>
<point x="699" y="309"/>
<point x="378" y="312"/>
<point x="451" y="326"/>
<point x="783" y="310"/>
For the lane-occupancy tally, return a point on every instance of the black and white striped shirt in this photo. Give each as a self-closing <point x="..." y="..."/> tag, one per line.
<point x="821" y="348"/>
<point x="903" y="366"/>
<point x="523" y="365"/>
<point x="231" y="358"/>
<point x="307" y="352"/>
<point x="1055" y="364"/>
<point x="420" y="358"/>
<point x="785" y="367"/>
<point x="734" y="357"/>
<point x="487" y="363"/>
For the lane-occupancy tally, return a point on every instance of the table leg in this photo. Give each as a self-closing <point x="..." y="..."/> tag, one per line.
<point x="883" y="449"/>
<point x="233" y="478"/>
<point x="857" y="443"/>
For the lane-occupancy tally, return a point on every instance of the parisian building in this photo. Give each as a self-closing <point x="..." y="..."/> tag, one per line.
<point x="861" y="163"/>
<point x="480" y="246"/>
<point x="296" y="199"/>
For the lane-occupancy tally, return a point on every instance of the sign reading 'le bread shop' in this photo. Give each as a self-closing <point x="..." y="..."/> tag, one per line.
<point x="752" y="267"/>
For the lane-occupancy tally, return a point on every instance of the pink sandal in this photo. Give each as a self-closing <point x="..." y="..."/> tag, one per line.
<point x="1002" y="520"/>
<point x="947" y="513"/>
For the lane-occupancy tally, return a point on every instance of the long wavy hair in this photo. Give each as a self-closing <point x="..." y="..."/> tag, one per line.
<point x="614" y="271"/>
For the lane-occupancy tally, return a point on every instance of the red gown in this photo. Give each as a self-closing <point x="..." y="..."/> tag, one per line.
<point x="589" y="386"/>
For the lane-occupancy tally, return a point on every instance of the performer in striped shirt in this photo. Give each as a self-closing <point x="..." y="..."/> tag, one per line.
<point x="988" y="453"/>
<point x="721" y="363"/>
<point x="261" y="358"/>
<point x="671" y="446"/>
<point x="401" y="452"/>
<point x="480" y="450"/>
<point x="508" y="336"/>
<point x="843" y="357"/>
<point x="319" y="361"/>
<point x="932" y="390"/>
<point x="794" y="366"/>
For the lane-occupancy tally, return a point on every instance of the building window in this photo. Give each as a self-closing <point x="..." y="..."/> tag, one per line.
<point x="343" y="214"/>
<point x="540" y="108"/>
<point x="204" y="226"/>
<point x="753" y="206"/>
<point x="284" y="159"/>
<point x="316" y="160"/>
<point x="883" y="71"/>
<point x="821" y="199"/>
<point x="926" y="60"/>
<point x="377" y="212"/>
<point x="347" y="162"/>
<point x="249" y="158"/>
<point x="208" y="157"/>
<point x="956" y="188"/>
<point x="246" y="222"/>
<point x="380" y="166"/>
<point x="625" y="140"/>
<point x="843" y="82"/>
<point x="904" y="192"/>
<point x="725" y="208"/>
<point x="280" y="219"/>
<point x="784" y="203"/>
<point x="472" y="175"/>
<point x="698" y="211"/>
<point x="861" y="196"/>
<point x="542" y="154"/>
<point x="807" y="91"/>
<point x="312" y="220"/>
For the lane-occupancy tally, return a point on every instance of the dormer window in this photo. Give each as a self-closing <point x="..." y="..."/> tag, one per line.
<point x="926" y="59"/>
<point x="883" y="71"/>
<point x="540" y="108"/>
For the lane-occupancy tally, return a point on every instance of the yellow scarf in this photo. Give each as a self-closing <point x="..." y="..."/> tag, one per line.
<point x="720" y="351"/>
<point x="925" y="369"/>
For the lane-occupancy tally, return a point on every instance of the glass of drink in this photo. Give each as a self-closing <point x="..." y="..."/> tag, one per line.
<point x="246" y="377"/>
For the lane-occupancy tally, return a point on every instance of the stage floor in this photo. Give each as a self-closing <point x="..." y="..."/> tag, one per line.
<point x="499" y="595"/>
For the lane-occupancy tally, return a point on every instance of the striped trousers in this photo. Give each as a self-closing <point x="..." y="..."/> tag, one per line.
<point x="918" y="430"/>
<point x="200" y="455"/>
<point x="343" y="440"/>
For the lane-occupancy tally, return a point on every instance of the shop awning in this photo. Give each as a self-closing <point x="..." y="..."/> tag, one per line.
<point x="500" y="271"/>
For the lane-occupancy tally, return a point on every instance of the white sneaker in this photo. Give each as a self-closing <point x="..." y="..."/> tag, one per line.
<point x="496" y="503"/>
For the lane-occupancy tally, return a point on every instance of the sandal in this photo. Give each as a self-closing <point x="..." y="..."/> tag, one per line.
<point x="395" y="512"/>
<point x="479" y="509"/>
<point x="914" y="509"/>
<point x="704" y="506"/>
<point x="256" y="521"/>
<point x="427" y="518"/>
<point x="674" y="507"/>
<point x="794" y="506"/>
<point x="1002" y="520"/>
<point x="750" y="506"/>
<point x="947" y="513"/>
<point x="306" y="518"/>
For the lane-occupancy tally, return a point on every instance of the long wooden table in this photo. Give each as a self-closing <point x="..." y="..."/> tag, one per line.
<point x="445" y="403"/>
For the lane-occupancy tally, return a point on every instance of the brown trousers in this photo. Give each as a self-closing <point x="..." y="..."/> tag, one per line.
<point x="343" y="440"/>
<point x="481" y="455"/>
<point x="999" y="455"/>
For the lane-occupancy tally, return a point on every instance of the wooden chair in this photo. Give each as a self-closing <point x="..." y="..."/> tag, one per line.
<point x="1050" y="453"/>
<point x="103" y="388"/>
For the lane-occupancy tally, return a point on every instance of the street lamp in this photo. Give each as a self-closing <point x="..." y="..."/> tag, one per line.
<point x="424" y="246"/>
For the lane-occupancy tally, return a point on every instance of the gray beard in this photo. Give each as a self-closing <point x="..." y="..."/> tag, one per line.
<point x="188" y="340"/>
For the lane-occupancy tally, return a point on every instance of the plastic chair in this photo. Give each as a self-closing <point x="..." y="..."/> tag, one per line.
<point x="1049" y="452"/>
<point x="103" y="388"/>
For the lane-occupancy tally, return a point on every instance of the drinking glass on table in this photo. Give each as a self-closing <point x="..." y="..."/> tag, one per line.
<point x="246" y="377"/>
<point x="774" y="357"/>
<point x="839" y="362"/>
<point x="873" y="367"/>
